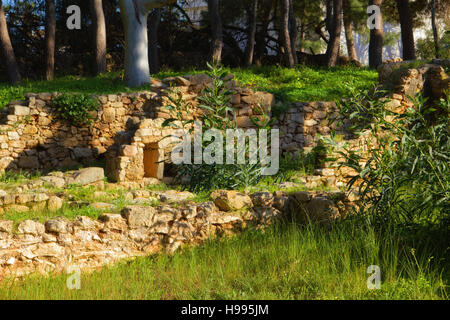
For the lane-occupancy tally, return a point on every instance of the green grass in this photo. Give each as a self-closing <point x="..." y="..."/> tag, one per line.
<point x="307" y="84"/>
<point x="299" y="84"/>
<point x="10" y="179"/>
<point x="284" y="262"/>
<point x="44" y="215"/>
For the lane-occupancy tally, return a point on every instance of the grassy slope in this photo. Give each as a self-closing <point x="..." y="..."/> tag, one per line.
<point x="285" y="262"/>
<point x="300" y="84"/>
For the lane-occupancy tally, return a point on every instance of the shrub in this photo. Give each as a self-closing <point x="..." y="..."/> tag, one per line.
<point x="218" y="113"/>
<point x="407" y="175"/>
<point x="76" y="107"/>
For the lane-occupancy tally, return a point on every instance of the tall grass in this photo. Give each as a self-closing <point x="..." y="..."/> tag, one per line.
<point x="286" y="261"/>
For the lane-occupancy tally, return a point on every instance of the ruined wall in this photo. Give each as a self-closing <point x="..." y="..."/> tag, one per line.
<point x="58" y="243"/>
<point x="403" y="80"/>
<point x="34" y="137"/>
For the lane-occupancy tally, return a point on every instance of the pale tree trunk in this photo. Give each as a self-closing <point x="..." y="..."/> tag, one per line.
<point x="216" y="30"/>
<point x="100" y="37"/>
<point x="332" y="53"/>
<point x="250" y="49"/>
<point x="406" y="25"/>
<point x="286" y="49"/>
<point x="50" y="32"/>
<point x="348" y="25"/>
<point x="155" y="20"/>
<point x="134" y="17"/>
<point x="376" y="39"/>
<point x="8" y="51"/>
<point x="435" y="30"/>
<point x="293" y="30"/>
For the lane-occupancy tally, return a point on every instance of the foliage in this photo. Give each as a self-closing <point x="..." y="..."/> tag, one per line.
<point x="76" y="107"/>
<point x="406" y="177"/>
<point x="216" y="113"/>
<point x="11" y="178"/>
<point x="426" y="49"/>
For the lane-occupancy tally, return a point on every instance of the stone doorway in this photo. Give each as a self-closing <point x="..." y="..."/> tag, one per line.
<point x="153" y="161"/>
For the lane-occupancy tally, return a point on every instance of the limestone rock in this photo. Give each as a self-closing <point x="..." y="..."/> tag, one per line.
<point x="54" y="203"/>
<point x="220" y="219"/>
<point x="55" y="182"/>
<point x="139" y="216"/>
<point x="262" y="199"/>
<point x="267" y="214"/>
<point x="6" y="226"/>
<point x="231" y="200"/>
<point x="21" y="111"/>
<point x="102" y="206"/>
<point x="86" y="223"/>
<point x="18" y="208"/>
<point x="88" y="176"/>
<point x="175" y="196"/>
<point x="56" y="226"/>
<point x="31" y="227"/>
<point x="114" y="222"/>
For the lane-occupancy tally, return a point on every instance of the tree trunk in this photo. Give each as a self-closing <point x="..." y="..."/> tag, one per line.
<point x="8" y="51"/>
<point x="261" y="45"/>
<point x="155" y="20"/>
<point x="293" y="30"/>
<point x="329" y="15"/>
<point x="332" y="53"/>
<point x="134" y="17"/>
<point x="285" y="38"/>
<point x="376" y="39"/>
<point x="348" y="25"/>
<point x="100" y="37"/>
<point x="302" y="39"/>
<point x="406" y="24"/>
<point x="50" y="32"/>
<point x="216" y="30"/>
<point x="250" y="49"/>
<point x="435" y="30"/>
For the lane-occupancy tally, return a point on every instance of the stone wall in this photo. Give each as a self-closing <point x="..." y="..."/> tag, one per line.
<point x="34" y="137"/>
<point x="404" y="80"/>
<point x="139" y="230"/>
<point x="303" y="124"/>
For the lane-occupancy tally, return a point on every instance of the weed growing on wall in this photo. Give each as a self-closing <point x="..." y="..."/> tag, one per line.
<point x="76" y="108"/>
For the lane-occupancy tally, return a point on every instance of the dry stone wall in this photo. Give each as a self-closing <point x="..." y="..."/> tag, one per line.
<point x="57" y="244"/>
<point x="404" y="80"/>
<point x="34" y="137"/>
